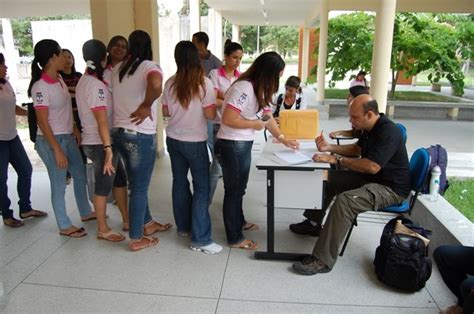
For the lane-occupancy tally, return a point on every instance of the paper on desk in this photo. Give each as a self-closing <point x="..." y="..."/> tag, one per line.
<point x="308" y="146"/>
<point x="292" y="157"/>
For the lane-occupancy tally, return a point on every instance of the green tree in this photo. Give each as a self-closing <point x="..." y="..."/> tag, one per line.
<point x="283" y="39"/>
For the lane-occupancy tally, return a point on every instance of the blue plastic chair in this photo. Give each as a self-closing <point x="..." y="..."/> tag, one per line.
<point x="419" y="168"/>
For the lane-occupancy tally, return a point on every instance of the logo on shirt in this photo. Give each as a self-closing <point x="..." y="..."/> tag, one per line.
<point x="39" y="97"/>
<point x="242" y="99"/>
<point x="101" y="94"/>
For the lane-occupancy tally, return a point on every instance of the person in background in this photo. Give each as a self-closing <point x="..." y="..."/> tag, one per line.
<point x="292" y="99"/>
<point x="456" y="266"/>
<point x="189" y="100"/>
<point x="94" y="102"/>
<point x="209" y="61"/>
<point x="117" y="51"/>
<point x="360" y="80"/>
<point x="136" y="85"/>
<point x="12" y="152"/>
<point x="55" y="142"/>
<point x="71" y="77"/>
<point x="245" y="105"/>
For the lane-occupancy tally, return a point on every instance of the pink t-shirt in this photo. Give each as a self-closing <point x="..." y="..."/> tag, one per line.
<point x="188" y="124"/>
<point x="130" y="93"/>
<point x="222" y="83"/>
<point x="92" y="95"/>
<point x="241" y="98"/>
<point x="53" y="95"/>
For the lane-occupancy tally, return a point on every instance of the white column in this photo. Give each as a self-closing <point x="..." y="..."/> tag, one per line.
<point x="194" y="17"/>
<point x="236" y="34"/>
<point x="322" y="53"/>
<point x="218" y="36"/>
<point x="211" y="30"/>
<point x="12" y="57"/>
<point x="305" y="55"/>
<point x="384" y="21"/>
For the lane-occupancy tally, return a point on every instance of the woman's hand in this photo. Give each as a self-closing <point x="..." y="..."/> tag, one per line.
<point x="293" y="144"/>
<point x="61" y="159"/>
<point x="139" y="115"/>
<point x="108" y="165"/>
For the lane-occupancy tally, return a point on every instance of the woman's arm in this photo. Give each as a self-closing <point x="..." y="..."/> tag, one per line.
<point x="21" y="111"/>
<point x="232" y="119"/>
<point x="153" y="91"/>
<point x="103" y="125"/>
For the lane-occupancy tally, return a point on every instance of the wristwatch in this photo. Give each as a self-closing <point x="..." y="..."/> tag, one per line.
<point x="339" y="160"/>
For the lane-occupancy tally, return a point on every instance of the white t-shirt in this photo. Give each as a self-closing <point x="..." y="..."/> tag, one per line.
<point x="7" y="112"/>
<point x="53" y="95"/>
<point x="92" y="95"/>
<point x="189" y="124"/>
<point x="355" y="82"/>
<point x="241" y="98"/>
<point x="129" y="94"/>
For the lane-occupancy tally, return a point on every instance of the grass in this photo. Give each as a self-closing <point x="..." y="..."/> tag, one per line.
<point x="333" y="93"/>
<point x="461" y="195"/>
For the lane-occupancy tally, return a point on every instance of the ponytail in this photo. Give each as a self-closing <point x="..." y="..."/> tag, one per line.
<point x="44" y="50"/>
<point x="94" y="52"/>
<point x="35" y="75"/>
<point x="139" y="47"/>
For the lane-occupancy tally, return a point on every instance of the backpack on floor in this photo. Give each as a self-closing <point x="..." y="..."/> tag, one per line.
<point x="401" y="260"/>
<point x="438" y="157"/>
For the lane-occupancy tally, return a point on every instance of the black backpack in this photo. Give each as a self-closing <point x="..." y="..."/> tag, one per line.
<point x="32" y="122"/>
<point x="402" y="260"/>
<point x="438" y="157"/>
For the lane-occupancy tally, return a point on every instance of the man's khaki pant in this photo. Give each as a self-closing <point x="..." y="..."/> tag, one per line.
<point x="346" y="207"/>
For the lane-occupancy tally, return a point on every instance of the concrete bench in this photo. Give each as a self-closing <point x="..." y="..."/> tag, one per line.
<point x="413" y="110"/>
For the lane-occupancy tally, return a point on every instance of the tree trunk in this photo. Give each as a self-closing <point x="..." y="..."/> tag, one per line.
<point x="394" y="83"/>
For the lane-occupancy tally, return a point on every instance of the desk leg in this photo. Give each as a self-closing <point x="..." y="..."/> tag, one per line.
<point x="270" y="254"/>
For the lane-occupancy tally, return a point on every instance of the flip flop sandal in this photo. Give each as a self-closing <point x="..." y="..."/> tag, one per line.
<point x="111" y="236"/>
<point x="249" y="226"/>
<point x="153" y="227"/>
<point x="78" y="233"/>
<point x="245" y="245"/>
<point x="33" y="213"/>
<point x="13" y="222"/>
<point x="143" y="243"/>
<point x="89" y="217"/>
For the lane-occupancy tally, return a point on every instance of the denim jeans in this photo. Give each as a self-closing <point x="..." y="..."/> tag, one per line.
<point x="13" y="152"/>
<point x="57" y="177"/>
<point x="138" y="152"/>
<point x="456" y="266"/>
<point x="191" y="210"/>
<point x="235" y="158"/>
<point x="215" y="170"/>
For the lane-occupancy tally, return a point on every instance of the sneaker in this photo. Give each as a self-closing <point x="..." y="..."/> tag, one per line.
<point x="310" y="265"/>
<point x="306" y="228"/>
<point x="183" y="233"/>
<point x="211" y="249"/>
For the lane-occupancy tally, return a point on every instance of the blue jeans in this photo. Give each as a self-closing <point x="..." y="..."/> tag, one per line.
<point x="191" y="210"/>
<point x="215" y="171"/>
<point x="57" y="177"/>
<point x="456" y="266"/>
<point x="14" y="153"/>
<point x="138" y="152"/>
<point x="235" y="158"/>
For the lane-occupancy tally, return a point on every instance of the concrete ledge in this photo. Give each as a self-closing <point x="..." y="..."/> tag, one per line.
<point x="449" y="226"/>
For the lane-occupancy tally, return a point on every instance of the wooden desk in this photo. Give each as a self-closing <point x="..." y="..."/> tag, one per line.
<point x="290" y="186"/>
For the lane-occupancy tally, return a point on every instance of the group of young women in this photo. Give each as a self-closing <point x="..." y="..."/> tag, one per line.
<point x="117" y="109"/>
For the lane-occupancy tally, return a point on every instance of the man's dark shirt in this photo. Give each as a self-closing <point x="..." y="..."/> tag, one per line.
<point x="385" y="146"/>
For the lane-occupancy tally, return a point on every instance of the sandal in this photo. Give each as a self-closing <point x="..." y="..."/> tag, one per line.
<point x="153" y="227"/>
<point x="249" y="226"/>
<point x="74" y="233"/>
<point x="33" y="213"/>
<point x="143" y="243"/>
<point x="246" y="244"/>
<point x="91" y="216"/>
<point x="111" y="236"/>
<point x="13" y="222"/>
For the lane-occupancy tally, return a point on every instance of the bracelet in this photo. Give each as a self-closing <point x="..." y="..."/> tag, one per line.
<point x="107" y="146"/>
<point x="281" y="136"/>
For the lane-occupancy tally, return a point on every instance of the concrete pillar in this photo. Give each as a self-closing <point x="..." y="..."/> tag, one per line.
<point x="218" y="36"/>
<point x="236" y="36"/>
<point x="305" y="55"/>
<point x="322" y="53"/>
<point x="194" y="17"/>
<point x="111" y="17"/>
<point x="384" y="22"/>
<point x="11" y="54"/>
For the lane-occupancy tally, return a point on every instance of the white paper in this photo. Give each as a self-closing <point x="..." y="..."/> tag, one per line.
<point x="308" y="146"/>
<point x="292" y="157"/>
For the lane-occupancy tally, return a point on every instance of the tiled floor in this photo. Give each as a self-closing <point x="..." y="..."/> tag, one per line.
<point x="44" y="272"/>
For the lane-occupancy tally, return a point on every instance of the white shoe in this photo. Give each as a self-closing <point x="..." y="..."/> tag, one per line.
<point x="212" y="248"/>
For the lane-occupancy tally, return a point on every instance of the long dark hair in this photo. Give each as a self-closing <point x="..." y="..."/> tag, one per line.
<point x="2" y="61"/>
<point x="189" y="78"/>
<point x="113" y="41"/>
<point x="73" y="68"/>
<point x="139" y="47"/>
<point x="264" y="74"/>
<point x="94" y="50"/>
<point x="44" y="50"/>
